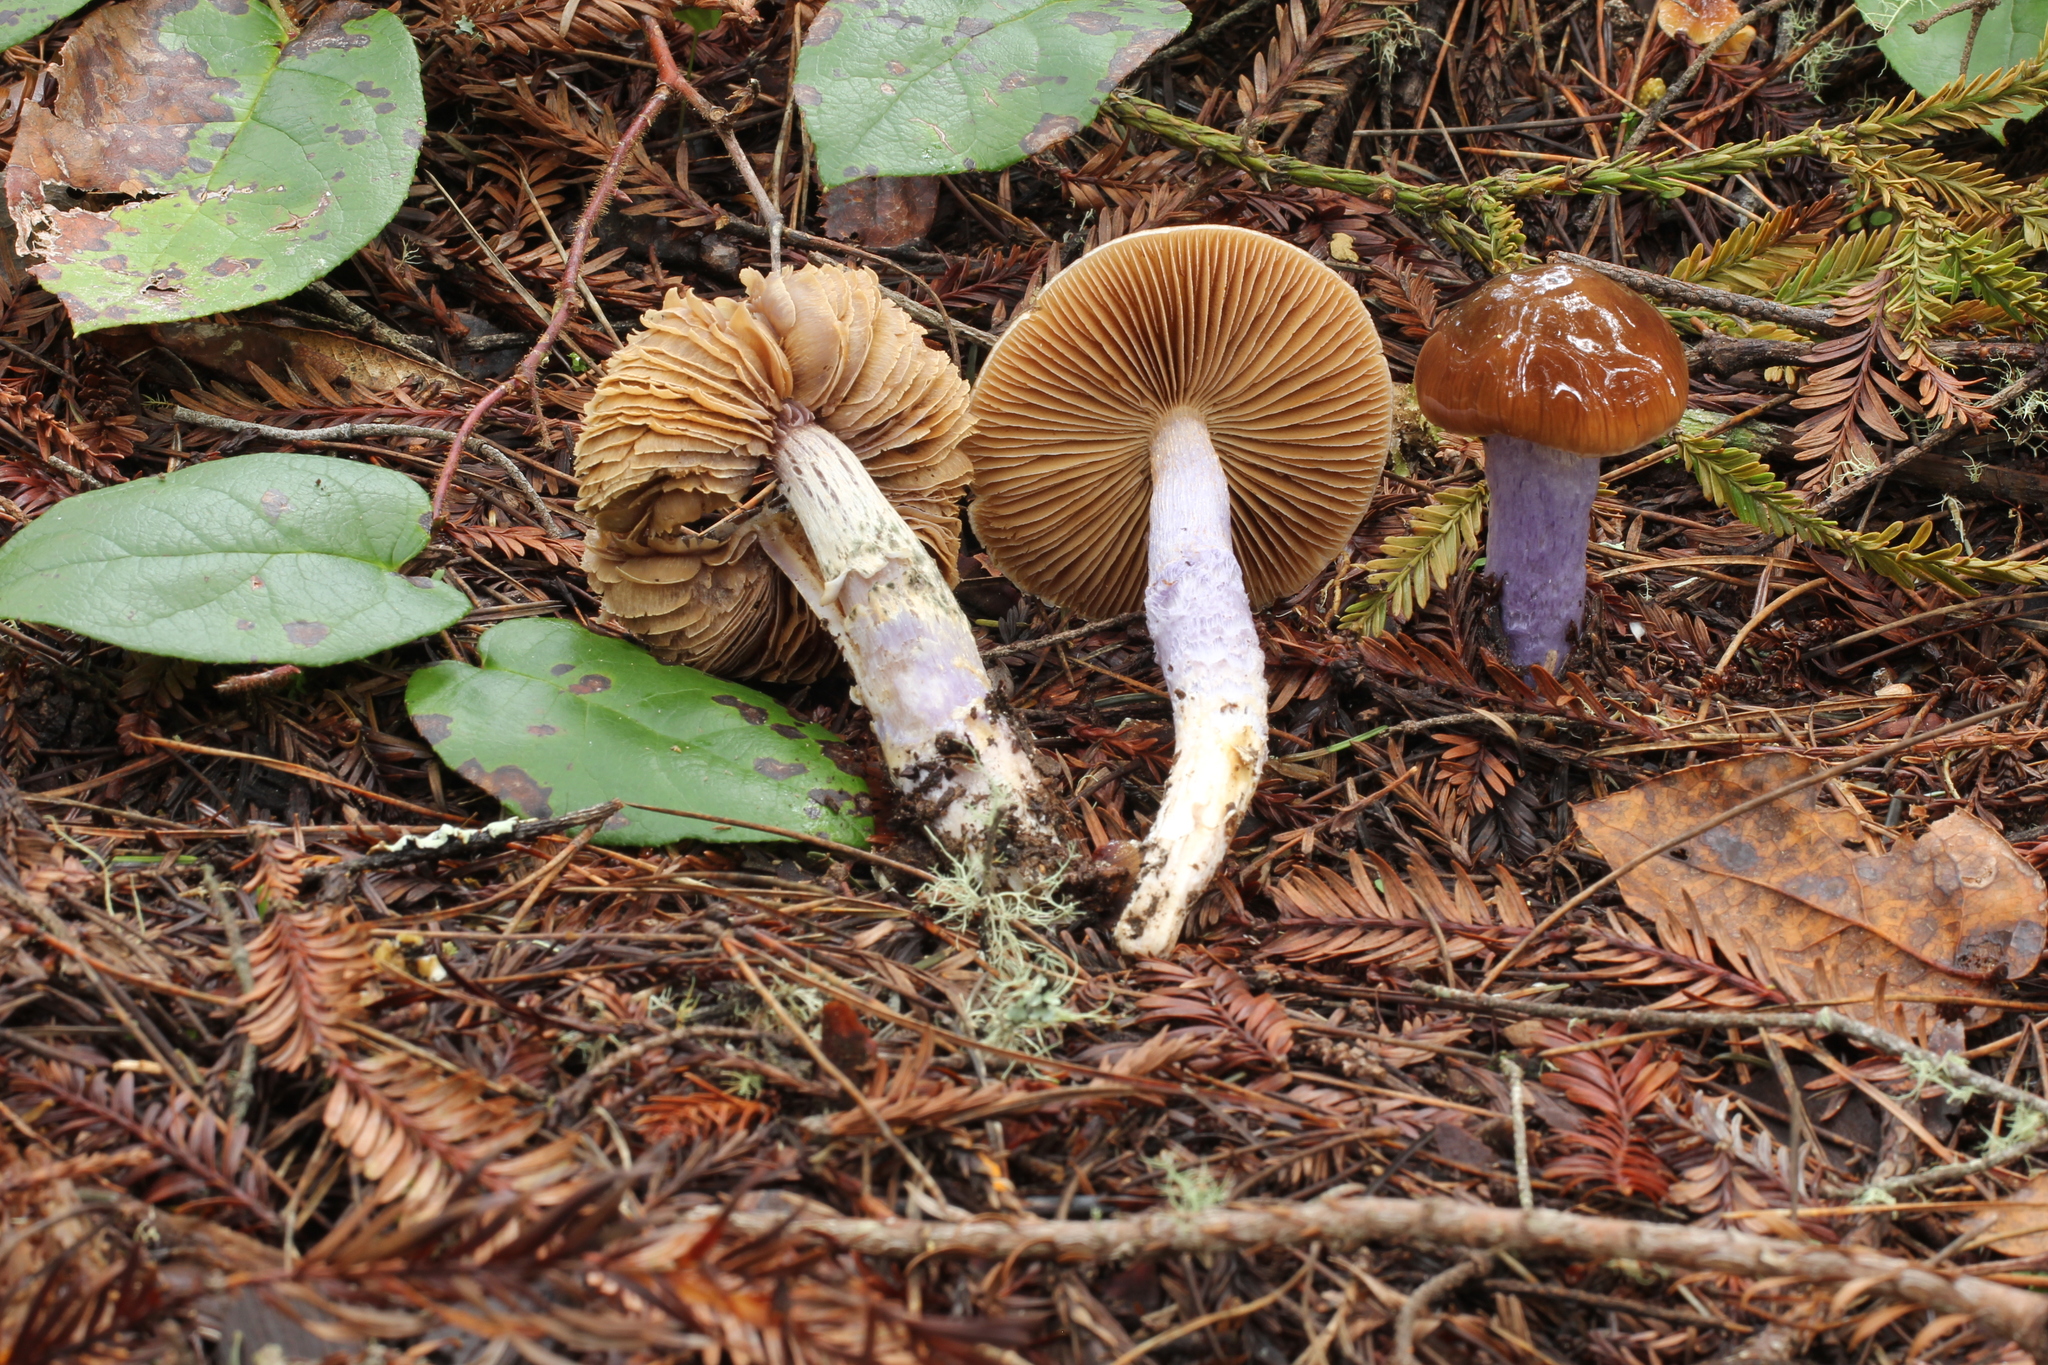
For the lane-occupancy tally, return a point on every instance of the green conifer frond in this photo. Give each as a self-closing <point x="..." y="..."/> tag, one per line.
<point x="1738" y="481"/>
<point x="1754" y="257"/>
<point x="1849" y="262"/>
<point x="1414" y="566"/>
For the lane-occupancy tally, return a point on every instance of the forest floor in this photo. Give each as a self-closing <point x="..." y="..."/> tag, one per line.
<point x="536" y="1097"/>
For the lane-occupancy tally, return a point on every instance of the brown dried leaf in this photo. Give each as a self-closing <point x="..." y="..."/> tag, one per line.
<point x="1790" y="896"/>
<point x="2018" y="1226"/>
<point x="881" y="211"/>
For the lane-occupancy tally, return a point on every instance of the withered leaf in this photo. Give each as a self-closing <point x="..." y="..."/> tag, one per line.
<point x="1789" y="895"/>
<point x="880" y="211"/>
<point x="2018" y="1225"/>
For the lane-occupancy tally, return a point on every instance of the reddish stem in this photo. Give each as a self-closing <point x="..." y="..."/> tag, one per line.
<point x="528" y="371"/>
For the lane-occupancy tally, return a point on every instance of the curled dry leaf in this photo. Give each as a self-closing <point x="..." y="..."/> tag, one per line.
<point x="1791" y="896"/>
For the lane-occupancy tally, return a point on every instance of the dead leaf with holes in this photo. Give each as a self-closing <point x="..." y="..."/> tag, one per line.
<point x="1789" y="894"/>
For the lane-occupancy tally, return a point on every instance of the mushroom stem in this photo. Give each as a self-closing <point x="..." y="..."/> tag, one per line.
<point x="1539" y="504"/>
<point x="1208" y="650"/>
<point x="960" y="767"/>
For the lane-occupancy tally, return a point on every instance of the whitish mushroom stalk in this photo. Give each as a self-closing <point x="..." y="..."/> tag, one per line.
<point x="815" y="379"/>
<point x="1193" y="419"/>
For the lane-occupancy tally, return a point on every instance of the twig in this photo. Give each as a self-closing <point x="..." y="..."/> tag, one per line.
<point x="367" y="324"/>
<point x="794" y="836"/>
<point x="1845" y="493"/>
<point x="1687" y="295"/>
<point x="1949" y="1067"/>
<point x="453" y="842"/>
<point x="528" y="370"/>
<point x="1814" y="778"/>
<point x="932" y="317"/>
<point x="1426" y="1293"/>
<point x="1201" y="35"/>
<point x="1525" y="1194"/>
<point x="245" y="977"/>
<point x="1078" y="632"/>
<point x="765" y="207"/>
<point x="299" y="770"/>
<point x="1654" y="114"/>
<point x="1345" y="1222"/>
<point x="362" y="431"/>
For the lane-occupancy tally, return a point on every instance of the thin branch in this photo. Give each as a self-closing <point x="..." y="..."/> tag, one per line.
<point x="528" y="370"/>
<point x="1846" y="493"/>
<point x="363" y="431"/>
<point x="720" y="121"/>
<point x="1345" y="1222"/>
<point x="1687" y="295"/>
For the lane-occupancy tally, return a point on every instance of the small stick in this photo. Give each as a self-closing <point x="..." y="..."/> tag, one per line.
<point x="1525" y="1194"/>
<point x="765" y="207"/>
<point x="1686" y="836"/>
<point x="1078" y="632"/>
<point x="528" y="370"/>
<point x="1343" y="1222"/>
<point x="238" y="954"/>
<point x="360" y="431"/>
<point x="1687" y="295"/>
<point x="1431" y="1289"/>
<point x="1847" y="492"/>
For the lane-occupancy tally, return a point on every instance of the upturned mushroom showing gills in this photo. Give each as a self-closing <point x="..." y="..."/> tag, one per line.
<point x="1555" y="366"/>
<point x="818" y="380"/>
<point x="1193" y="419"/>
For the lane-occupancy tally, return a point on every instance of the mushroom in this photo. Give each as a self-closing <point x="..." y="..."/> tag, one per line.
<point x="1555" y="366"/>
<point x="816" y="379"/>
<point x="1193" y="418"/>
<point x="1705" y="20"/>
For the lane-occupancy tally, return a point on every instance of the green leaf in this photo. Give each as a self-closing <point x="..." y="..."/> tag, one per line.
<point x="930" y="87"/>
<point x="2010" y="34"/>
<point x="560" y="719"/>
<point x="21" y="22"/>
<point x="252" y="559"/>
<point x="247" y="162"/>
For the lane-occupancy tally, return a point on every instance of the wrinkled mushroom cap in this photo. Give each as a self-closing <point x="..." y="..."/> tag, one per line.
<point x="1702" y="20"/>
<point x="683" y="422"/>
<point x="1558" y="355"/>
<point x="1272" y="349"/>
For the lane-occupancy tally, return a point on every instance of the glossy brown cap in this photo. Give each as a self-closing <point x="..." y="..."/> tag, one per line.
<point x="1558" y="355"/>
<point x="682" y="424"/>
<point x="1270" y="347"/>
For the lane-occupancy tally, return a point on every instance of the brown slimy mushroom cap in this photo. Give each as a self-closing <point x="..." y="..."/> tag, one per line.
<point x="1272" y="350"/>
<point x="680" y="431"/>
<point x="1558" y="355"/>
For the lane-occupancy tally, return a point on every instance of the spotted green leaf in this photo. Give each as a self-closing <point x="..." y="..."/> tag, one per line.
<point x="243" y="162"/>
<point x="252" y="559"/>
<point x="930" y="87"/>
<point x="558" y="718"/>
<point x="22" y="21"/>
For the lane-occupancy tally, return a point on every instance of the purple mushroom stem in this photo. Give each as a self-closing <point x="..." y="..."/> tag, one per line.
<point x="1539" y="504"/>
